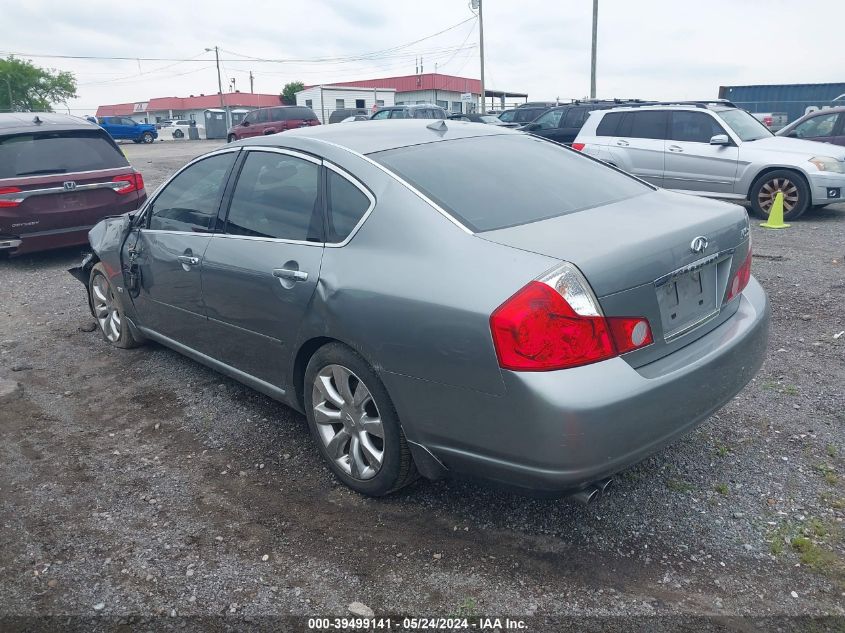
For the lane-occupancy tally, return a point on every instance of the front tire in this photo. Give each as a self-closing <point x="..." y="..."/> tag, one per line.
<point x="796" y="194"/>
<point x="147" y="137"/>
<point x="178" y="134"/>
<point x="354" y="423"/>
<point x="108" y="310"/>
<point x="232" y="138"/>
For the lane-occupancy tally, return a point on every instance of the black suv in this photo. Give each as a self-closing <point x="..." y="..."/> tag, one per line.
<point x="415" y="111"/>
<point x="562" y="123"/>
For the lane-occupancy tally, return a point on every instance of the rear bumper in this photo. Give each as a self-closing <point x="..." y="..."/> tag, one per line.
<point x="557" y="431"/>
<point x="44" y="241"/>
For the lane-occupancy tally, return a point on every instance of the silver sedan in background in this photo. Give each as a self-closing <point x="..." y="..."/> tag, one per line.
<point x="443" y="298"/>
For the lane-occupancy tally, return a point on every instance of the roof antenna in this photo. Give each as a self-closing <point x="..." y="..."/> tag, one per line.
<point x="438" y="126"/>
<point x="37" y="121"/>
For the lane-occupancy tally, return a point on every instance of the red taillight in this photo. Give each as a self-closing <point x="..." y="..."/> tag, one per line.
<point x="134" y="182"/>
<point x="537" y="329"/>
<point x="10" y="201"/>
<point x="741" y="277"/>
<point x="578" y="146"/>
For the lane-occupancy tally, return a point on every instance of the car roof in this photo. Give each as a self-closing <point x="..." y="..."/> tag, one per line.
<point x="15" y="122"/>
<point x="368" y="137"/>
<point x="668" y="106"/>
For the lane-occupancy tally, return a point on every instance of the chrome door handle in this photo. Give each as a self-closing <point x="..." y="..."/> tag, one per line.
<point x="675" y="148"/>
<point x="187" y="259"/>
<point x="623" y="143"/>
<point x="288" y="273"/>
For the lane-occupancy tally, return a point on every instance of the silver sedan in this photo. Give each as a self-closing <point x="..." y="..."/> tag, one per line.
<point x="443" y="298"/>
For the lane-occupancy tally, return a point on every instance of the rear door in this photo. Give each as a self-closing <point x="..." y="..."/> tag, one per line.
<point x="571" y="124"/>
<point x="639" y="144"/>
<point x="260" y="272"/>
<point x="260" y="119"/>
<point x="164" y="253"/>
<point x="691" y="163"/>
<point x="54" y="182"/>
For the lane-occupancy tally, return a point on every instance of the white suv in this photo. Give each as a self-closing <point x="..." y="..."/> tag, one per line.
<point x="718" y="150"/>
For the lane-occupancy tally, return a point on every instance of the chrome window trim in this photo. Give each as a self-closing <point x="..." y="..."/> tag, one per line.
<point x="152" y="198"/>
<point x="403" y="182"/>
<point x="283" y="150"/>
<point x="258" y="238"/>
<point x="360" y="186"/>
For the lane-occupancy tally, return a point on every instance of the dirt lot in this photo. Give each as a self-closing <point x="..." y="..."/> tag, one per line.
<point x="139" y="482"/>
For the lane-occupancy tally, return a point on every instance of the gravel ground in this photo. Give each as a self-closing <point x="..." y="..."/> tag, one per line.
<point x="141" y="482"/>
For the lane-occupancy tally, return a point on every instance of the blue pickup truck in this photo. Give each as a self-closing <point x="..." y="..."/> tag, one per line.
<point x="121" y="127"/>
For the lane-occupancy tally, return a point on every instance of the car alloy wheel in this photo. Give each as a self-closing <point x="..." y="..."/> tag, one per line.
<point x="148" y="137"/>
<point x="348" y="422"/>
<point x="105" y="309"/>
<point x="178" y="134"/>
<point x="770" y="189"/>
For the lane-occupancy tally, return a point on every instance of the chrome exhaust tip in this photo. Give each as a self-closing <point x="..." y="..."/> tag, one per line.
<point x="593" y="492"/>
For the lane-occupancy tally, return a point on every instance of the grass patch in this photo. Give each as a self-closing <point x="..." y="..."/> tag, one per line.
<point x="722" y="489"/>
<point x="770" y="385"/>
<point x="827" y="471"/>
<point x="790" y="390"/>
<point x="677" y="485"/>
<point x="831" y="450"/>
<point x="814" y="556"/>
<point x="722" y="451"/>
<point x="467" y="609"/>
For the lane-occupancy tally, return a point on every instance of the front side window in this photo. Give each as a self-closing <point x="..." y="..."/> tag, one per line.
<point x="190" y="201"/>
<point x="507" y="116"/>
<point x="693" y="127"/>
<point x="549" y="120"/>
<point x="262" y="115"/>
<point x="382" y="114"/>
<point x="745" y="126"/>
<point x="540" y="180"/>
<point x="399" y="114"/>
<point x="276" y="196"/>
<point x="816" y="127"/>
<point x="346" y="206"/>
<point x="251" y="117"/>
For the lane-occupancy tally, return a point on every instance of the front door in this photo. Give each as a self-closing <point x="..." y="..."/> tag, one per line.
<point x="164" y="255"/>
<point x="691" y="162"/>
<point x="260" y="274"/>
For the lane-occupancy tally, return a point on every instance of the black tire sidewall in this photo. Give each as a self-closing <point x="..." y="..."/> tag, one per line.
<point x="178" y="134"/>
<point x="388" y="476"/>
<point x="800" y="183"/>
<point x="147" y="138"/>
<point x="232" y="138"/>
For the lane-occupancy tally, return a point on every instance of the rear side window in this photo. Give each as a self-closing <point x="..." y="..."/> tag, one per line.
<point x="189" y="202"/>
<point x="276" y="196"/>
<point x="347" y="204"/>
<point x="540" y="180"/>
<point x="694" y="127"/>
<point x="609" y="124"/>
<point x="58" y="153"/>
<point x="644" y="125"/>
<point x="575" y="117"/>
<point x="526" y="115"/>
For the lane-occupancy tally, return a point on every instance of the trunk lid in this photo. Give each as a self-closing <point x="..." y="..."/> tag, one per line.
<point x="637" y="252"/>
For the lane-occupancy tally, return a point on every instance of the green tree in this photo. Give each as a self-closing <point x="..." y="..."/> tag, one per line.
<point x="25" y="87"/>
<point x="290" y="90"/>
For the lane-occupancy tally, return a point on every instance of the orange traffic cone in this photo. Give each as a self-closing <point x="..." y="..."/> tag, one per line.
<point x="775" y="220"/>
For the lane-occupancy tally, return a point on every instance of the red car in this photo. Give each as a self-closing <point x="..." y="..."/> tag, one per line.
<point x="272" y="121"/>
<point x="59" y="176"/>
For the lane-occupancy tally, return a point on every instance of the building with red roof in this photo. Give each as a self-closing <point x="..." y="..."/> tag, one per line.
<point x="193" y="107"/>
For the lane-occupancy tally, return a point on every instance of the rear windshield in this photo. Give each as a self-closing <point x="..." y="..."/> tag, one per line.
<point x="493" y="182"/>
<point x="58" y="153"/>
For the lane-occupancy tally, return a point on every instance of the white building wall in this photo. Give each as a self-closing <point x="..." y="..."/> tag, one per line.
<point x="324" y="99"/>
<point x="447" y="99"/>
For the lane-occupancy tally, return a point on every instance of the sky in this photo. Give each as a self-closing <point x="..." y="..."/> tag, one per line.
<point x="649" y="49"/>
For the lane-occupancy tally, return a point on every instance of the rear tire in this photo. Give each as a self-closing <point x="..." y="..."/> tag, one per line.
<point x="796" y="194"/>
<point x="107" y="307"/>
<point x="147" y="137"/>
<point x="354" y="423"/>
<point x="178" y="134"/>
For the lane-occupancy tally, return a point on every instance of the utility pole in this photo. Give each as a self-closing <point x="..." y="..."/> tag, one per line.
<point x="223" y="105"/>
<point x="593" y="60"/>
<point x="250" y="82"/>
<point x="477" y="4"/>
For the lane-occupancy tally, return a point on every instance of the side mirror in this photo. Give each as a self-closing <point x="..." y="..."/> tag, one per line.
<point x="720" y="139"/>
<point x="792" y="134"/>
<point x="530" y="127"/>
<point x="245" y="123"/>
